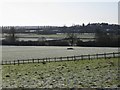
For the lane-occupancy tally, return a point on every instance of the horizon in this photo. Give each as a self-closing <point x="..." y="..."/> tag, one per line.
<point x="56" y="25"/>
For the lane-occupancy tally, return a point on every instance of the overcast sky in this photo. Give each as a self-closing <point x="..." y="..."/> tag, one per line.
<point x="58" y="13"/>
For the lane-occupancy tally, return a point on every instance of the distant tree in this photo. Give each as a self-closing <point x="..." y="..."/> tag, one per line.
<point x="11" y="35"/>
<point x="99" y="36"/>
<point x="104" y="38"/>
<point x="83" y="25"/>
<point x="43" y="39"/>
<point x="72" y="38"/>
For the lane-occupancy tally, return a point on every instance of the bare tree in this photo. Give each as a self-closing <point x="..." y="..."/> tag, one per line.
<point x="11" y="35"/>
<point x="72" y="38"/>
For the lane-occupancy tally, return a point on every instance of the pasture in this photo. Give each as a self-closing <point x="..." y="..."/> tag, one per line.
<point x="101" y="73"/>
<point x="10" y="53"/>
<point x="81" y="35"/>
<point x="36" y="37"/>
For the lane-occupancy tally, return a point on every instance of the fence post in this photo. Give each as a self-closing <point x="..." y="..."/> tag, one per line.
<point x="27" y="61"/>
<point x="55" y="59"/>
<point x="47" y="59"/>
<point x="105" y="55"/>
<point x="14" y="62"/>
<point x="88" y="56"/>
<point x="113" y="55"/>
<point x="97" y="56"/>
<point x="23" y="61"/>
<point x="18" y="62"/>
<point x="81" y="57"/>
<point x="43" y="59"/>
<point x="60" y="58"/>
<point x="67" y="58"/>
<point x="2" y="62"/>
<point x="32" y="60"/>
<point x="38" y="60"/>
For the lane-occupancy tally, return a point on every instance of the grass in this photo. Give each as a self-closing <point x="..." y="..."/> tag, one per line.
<point x="53" y="35"/>
<point x="99" y="73"/>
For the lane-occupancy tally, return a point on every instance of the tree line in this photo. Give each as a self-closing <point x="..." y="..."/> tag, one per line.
<point x="102" y="38"/>
<point x="89" y="28"/>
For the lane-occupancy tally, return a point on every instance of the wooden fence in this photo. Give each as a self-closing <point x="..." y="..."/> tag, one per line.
<point x="68" y="58"/>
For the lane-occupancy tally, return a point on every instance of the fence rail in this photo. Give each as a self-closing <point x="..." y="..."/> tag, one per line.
<point x="68" y="58"/>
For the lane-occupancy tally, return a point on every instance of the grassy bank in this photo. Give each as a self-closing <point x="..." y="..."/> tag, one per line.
<point x="79" y="74"/>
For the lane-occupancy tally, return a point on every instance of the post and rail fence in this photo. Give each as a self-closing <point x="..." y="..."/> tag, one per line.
<point x="67" y="58"/>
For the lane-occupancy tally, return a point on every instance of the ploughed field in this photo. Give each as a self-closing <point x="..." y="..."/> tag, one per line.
<point x="10" y="53"/>
<point x="99" y="73"/>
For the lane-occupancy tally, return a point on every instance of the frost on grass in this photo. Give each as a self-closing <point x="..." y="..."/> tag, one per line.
<point x="73" y="74"/>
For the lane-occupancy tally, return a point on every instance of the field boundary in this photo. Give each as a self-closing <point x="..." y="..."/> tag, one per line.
<point x="67" y="58"/>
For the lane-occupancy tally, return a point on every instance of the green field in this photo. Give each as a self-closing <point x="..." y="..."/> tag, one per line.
<point x="84" y="35"/>
<point x="99" y="73"/>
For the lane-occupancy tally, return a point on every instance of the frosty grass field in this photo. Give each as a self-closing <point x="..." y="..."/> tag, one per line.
<point x="97" y="73"/>
<point x="30" y="52"/>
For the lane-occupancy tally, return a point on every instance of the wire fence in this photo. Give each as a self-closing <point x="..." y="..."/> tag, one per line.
<point x="67" y="58"/>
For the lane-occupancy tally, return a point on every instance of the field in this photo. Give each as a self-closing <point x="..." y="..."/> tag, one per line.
<point x="28" y="52"/>
<point x="36" y="37"/>
<point x="67" y="74"/>
<point x="99" y="73"/>
<point x="84" y="35"/>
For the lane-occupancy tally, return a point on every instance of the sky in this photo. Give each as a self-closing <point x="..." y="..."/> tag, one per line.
<point x="57" y="13"/>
